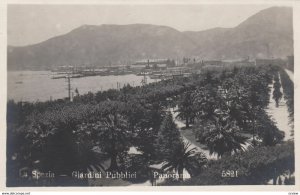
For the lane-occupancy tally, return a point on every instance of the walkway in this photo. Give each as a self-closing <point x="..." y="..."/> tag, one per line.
<point x="280" y="114"/>
<point x="181" y="125"/>
<point x="290" y="73"/>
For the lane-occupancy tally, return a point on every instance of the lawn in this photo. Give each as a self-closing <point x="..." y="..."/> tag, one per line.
<point x="190" y="135"/>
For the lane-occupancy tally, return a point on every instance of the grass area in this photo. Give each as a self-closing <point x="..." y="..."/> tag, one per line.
<point x="190" y="135"/>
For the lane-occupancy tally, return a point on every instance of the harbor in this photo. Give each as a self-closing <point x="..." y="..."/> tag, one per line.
<point x="39" y="86"/>
<point x="155" y="68"/>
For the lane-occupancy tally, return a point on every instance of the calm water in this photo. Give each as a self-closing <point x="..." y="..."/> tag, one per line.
<point x="38" y="85"/>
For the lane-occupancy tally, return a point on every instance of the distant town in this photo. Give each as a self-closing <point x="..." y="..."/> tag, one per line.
<point x="161" y="68"/>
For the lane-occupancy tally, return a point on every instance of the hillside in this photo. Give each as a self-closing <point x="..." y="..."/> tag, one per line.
<point x="268" y="33"/>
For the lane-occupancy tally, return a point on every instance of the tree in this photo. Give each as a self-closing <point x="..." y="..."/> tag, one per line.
<point x="183" y="157"/>
<point x="168" y="138"/>
<point x="221" y="137"/>
<point x="205" y="102"/>
<point x="277" y="95"/>
<point x="51" y="138"/>
<point x="254" y="98"/>
<point x="268" y="131"/>
<point x="144" y="120"/>
<point x="186" y="108"/>
<point x="111" y="126"/>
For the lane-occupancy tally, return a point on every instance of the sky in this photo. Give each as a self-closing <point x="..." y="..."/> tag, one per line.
<point x="30" y="24"/>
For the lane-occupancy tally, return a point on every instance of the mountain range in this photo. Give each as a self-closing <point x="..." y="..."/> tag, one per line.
<point x="268" y="33"/>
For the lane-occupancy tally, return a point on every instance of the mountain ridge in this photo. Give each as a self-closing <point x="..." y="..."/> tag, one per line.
<point x="268" y="33"/>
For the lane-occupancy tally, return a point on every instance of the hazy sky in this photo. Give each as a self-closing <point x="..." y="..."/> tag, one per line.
<point x="29" y="24"/>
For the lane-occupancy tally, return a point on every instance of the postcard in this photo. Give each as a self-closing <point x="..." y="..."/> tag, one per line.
<point x="150" y="95"/>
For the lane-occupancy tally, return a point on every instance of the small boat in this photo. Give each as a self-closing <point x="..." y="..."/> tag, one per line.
<point x="143" y="73"/>
<point x="156" y="76"/>
<point x="58" y="76"/>
<point x="64" y="72"/>
<point x="187" y="74"/>
<point x="19" y="82"/>
<point x="76" y="75"/>
<point x="66" y="76"/>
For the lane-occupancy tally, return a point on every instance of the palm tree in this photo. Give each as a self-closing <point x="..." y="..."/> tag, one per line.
<point x="114" y="137"/>
<point x="184" y="157"/>
<point x="221" y="137"/>
<point x="112" y="129"/>
<point x="51" y="138"/>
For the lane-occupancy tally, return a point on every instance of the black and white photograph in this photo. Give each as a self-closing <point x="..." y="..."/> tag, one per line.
<point x="132" y="94"/>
